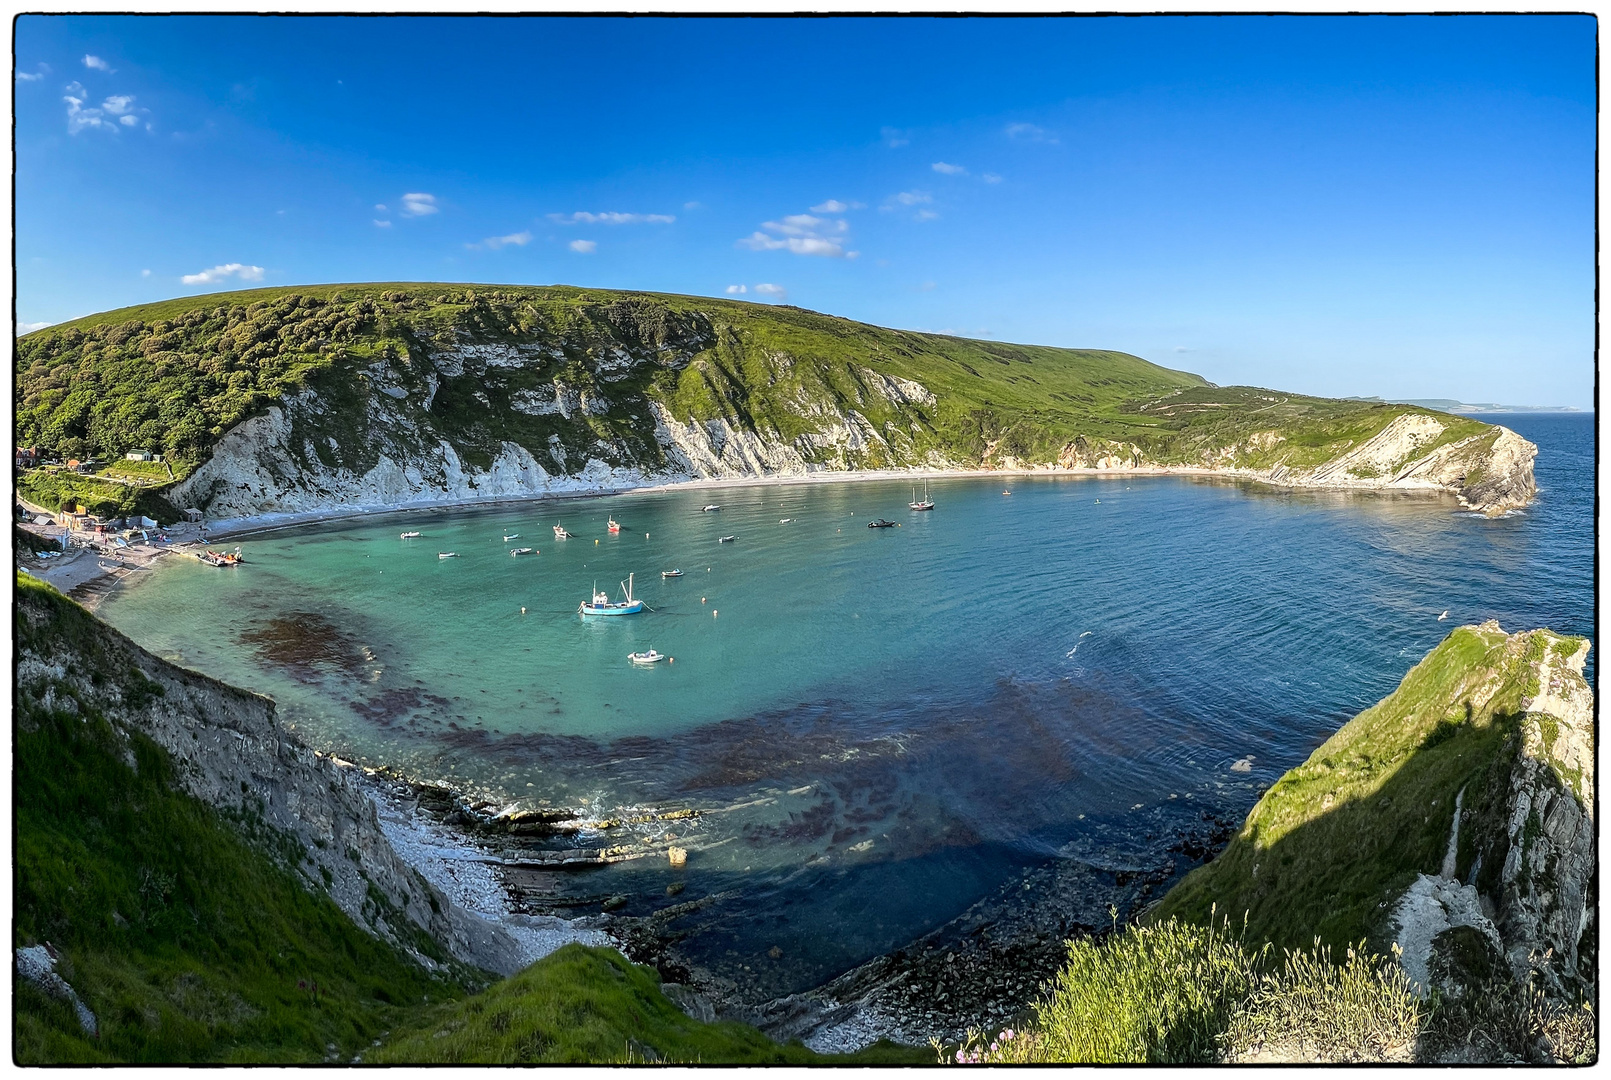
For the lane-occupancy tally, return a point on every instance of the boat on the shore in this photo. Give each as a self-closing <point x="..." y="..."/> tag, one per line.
<point x="410" y="535"/>
<point x="670" y="574"/>
<point x="447" y="554"/>
<point x="650" y="657"/>
<point x="615" y="526"/>
<point x="221" y="558"/>
<point x="708" y="508"/>
<point x="926" y="504"/>
<point x="520" y="551"/>
<point x="726" y="539"/>
<point x="560" y="533"/>
<point x="882" y="524"/>
<point x="602" y="605"/>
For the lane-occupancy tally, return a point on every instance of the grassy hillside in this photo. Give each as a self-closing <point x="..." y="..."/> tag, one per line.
<point x="583" y="1005"/>
<point x="174" y="376"/>
<point x="1336" y="839"/>
<point x="190" y="937"/>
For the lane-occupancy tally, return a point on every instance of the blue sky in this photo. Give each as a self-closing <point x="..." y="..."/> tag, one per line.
<point x="1391" y="205"/>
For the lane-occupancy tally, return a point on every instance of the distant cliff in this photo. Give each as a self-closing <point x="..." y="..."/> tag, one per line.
<point x="307" y="400"/>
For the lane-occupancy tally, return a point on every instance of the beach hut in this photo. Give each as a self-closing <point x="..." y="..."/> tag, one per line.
<point x="192" y="514"/>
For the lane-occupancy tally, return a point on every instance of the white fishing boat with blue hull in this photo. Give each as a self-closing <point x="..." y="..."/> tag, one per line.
<point x="601" y="604"/>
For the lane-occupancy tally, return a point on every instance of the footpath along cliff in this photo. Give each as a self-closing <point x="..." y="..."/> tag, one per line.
<point x="281" y="403"/>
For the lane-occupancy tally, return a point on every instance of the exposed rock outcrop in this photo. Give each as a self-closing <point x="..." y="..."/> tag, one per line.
<point x="230" y="751"/>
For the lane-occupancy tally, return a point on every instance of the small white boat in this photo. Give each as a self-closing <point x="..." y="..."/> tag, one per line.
<point x="511" y="536"/>
<point x="447" y="554"/>
<point x="520" y="551"/>
<point x="708" y="509"/>
<point x="670" y="574"/>
<point x="560" y="533"/>
<point x="726" y="539"/>
<point x="784" y="521"/>
<point x="615" y="526"/>
<point x="410" y="535"/>
<point x="650" y="657"/>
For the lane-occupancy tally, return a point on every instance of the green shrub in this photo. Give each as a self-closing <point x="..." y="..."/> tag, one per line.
<point x="1175" y="992"/>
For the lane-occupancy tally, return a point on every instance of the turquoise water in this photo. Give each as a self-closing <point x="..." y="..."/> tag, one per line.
<point x="883" y="725"/>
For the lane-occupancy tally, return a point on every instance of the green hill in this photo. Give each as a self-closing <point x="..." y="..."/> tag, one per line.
<point x="574" y="379"/>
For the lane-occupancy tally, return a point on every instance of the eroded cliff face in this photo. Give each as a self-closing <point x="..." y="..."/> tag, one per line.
<point x="230" y="751"/>
<point x="461" y="421"/>
<point x="1517" y="891"/>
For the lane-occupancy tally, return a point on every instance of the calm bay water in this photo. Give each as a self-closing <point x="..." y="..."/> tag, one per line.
<point x="881" y="725"/>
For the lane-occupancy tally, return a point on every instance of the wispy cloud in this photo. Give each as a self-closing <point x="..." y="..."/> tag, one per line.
<point x="802" y="234"/>
<point x="735" y="290"/>
<point x="145" y="273"/>
<point x="908" y="198"/>
<point x="835" y="206"/>
<point x="223" y="273"/>
<point x="584" y="247"/>
<point x="894" y="137"/>
<point x="41" y="71"/>
<point x="1030" y="133"/>
<point x="925" y="215"/>
<point x="381" y="207"/>
<point x="95" y="63"/>
<point x="776" y="292"/>
<point x="382" y="224"/>
<point x="610" y="217"/>
<point x="419" y="204"/>
<point x="493" y="243"/>
<point x="695" y="205"/>
<point x="949" y="169"/>
<point x="30" y="327"/>
<point x="991" y="178"/>
<point x="116" y="109"/>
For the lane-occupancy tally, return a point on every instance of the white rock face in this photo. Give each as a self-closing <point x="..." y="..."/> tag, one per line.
<point x="1429" y="907"/>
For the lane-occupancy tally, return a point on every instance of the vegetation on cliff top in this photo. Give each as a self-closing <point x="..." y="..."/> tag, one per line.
<point x="173" y="377"/>
<point x="1334" y="841"/>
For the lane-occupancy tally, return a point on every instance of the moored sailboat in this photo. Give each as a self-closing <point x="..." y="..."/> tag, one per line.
<point x="926" y="504"/>
<point x="602" y="605"/>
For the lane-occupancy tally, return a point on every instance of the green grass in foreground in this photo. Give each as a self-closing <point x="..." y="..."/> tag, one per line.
<point x="581" y="1005"/>
<point x="1177" y="993"/>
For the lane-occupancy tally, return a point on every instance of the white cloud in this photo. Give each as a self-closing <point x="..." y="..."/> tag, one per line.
<point x="610" y="217"/>
<point x="949" y="169"/>
<point x="220" y="273"/>
<point x="834" y="206"/>
<point x="382" y="224"/>
<point x="695" y="205"/>
<point x="419" y="204"/>
<point x="79" y="117"/>
<point x="32" y="76"/>
<point x="145" y="273"/>
<point x="96" y="63"/>
<point x="118" y="104"/>
<point x="493" y="243"/>
<point x="802" y="234"/>
<point x="894" y="137"/>
<point x="911" y="198"/>
<point x="1030" y="133"/>
<point x="30" y="327"/>
<point x="734" y="290"/>
<point x="777" y="292"/>
<point x="584" y="247"/>
<point x="992" y="178"/>
<point x="381" y="207"/>
<point x="925" y="215"/>
<point x="128" y="121"/>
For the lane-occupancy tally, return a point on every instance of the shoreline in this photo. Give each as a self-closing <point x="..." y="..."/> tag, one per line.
<point x="268" y="523"/>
